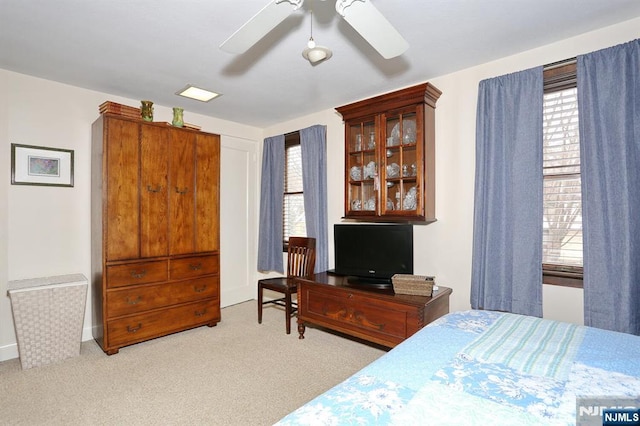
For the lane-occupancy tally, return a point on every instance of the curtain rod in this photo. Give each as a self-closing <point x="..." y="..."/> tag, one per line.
<point x="560" y="63"/>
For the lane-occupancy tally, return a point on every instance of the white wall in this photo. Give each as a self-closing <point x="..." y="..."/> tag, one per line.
<point x="444" y="248"/>
<point x="6" y="322"/>
<point x="46" y="231"/>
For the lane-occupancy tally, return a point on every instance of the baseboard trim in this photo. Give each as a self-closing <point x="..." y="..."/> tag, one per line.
<point x="10" y="351"/>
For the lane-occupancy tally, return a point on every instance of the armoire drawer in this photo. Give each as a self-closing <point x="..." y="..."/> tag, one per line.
<point x="136" y="273"/>
<point x="137" y="328"/>
<point x="137" y="299"/>
<point x="190" y="267"/>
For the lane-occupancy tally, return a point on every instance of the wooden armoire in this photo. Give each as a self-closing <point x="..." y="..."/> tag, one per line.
<point x="155" y="196"/>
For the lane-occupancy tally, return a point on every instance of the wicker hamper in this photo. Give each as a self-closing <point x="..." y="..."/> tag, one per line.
<point x="48" y="314"/>
<point x="417" y="285"/>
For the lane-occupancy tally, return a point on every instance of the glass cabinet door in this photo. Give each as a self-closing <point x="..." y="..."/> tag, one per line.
<point x="401" y="190"/>
<point x="362" y="189"/>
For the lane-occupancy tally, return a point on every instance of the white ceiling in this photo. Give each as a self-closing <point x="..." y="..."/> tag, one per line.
<point x="149" y="49"/>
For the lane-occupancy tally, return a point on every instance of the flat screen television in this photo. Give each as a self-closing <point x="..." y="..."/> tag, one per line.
<point x="371" y="254"/>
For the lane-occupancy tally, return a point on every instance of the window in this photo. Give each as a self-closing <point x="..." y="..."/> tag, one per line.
<point x="562" y="226"/>
<point x="293" y="207"/>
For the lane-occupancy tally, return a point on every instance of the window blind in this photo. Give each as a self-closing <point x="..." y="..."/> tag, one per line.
<point x="562" y="227"/>
<point x="293" y="208"/>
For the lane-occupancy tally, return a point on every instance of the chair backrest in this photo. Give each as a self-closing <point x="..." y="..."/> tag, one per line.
<point x="301" y="257"/>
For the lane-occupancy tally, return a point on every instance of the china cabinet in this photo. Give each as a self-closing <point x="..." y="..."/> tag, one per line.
<point x="155" y="230"/>
<point x="389" y="156"/>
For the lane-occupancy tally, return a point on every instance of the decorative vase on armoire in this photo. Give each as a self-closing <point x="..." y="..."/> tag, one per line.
<point x="177" y="117"/>
<point x="146" y="110"/>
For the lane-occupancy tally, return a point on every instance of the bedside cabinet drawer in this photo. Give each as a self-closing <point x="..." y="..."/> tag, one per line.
<point x="137" y="328"/>
<point x="133" y="300"/>
<point x="136" y="273"/>
<point x="190" y="267"/>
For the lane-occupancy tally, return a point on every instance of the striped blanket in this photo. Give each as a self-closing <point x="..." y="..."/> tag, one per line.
<point x="530" y="345"/>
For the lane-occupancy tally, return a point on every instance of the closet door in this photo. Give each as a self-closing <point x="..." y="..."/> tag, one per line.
<point x="207" y="236"/>
<point x="154" y="163"/>
<point x="121" y="214"/>
<point x="182" y="192"/>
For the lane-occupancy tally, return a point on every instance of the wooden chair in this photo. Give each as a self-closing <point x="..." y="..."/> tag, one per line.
<point x="301" y="259"/>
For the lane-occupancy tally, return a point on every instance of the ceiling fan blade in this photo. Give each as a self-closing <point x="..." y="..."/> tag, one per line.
<point x="260" y="25"/>
<point x="367" y="20"/>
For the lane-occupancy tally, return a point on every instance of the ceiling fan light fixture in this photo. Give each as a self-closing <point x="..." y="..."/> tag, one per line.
<point x="316" y="54"/>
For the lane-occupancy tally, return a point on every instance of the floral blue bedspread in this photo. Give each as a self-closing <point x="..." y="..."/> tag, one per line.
<point x="483" y="368"/>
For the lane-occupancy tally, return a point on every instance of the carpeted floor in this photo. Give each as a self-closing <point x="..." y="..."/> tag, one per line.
<point x="237" y="373"/>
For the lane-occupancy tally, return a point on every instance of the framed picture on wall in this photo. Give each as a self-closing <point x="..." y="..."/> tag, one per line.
<point x="38" y="165"/>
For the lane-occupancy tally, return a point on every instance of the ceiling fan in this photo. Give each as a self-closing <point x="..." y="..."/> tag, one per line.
<point x="363" y="16"/>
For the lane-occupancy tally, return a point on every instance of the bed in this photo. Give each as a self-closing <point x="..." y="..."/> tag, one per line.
<point x="487" y="368"/>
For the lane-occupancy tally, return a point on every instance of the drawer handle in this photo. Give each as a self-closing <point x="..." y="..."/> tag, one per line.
<point x="182" y="191"/>
<point x="134" y="301"/>
<point x="200" y="313"/>
<point x="195" y="267"/>
<point x="200" y="289"/>
<point x="134" y="329"/>
<point x="156" y="189"/>
<point x="138" y="275"/>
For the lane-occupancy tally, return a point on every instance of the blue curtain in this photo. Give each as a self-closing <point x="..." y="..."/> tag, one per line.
<point x="507" y="235"/>
<point x="271" y="199"/>
<point x="313" y="144"/>
<point x="609" y="108"/>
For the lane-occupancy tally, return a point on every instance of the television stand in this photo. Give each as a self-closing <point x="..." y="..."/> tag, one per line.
<point x="376" y="315"/>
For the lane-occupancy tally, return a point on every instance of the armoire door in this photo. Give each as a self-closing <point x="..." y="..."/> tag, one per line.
<point x="122" y="152"/>
<point x="182" y="184"/>
<point x="207" y="235"/>
<point x="154" y="163"/>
